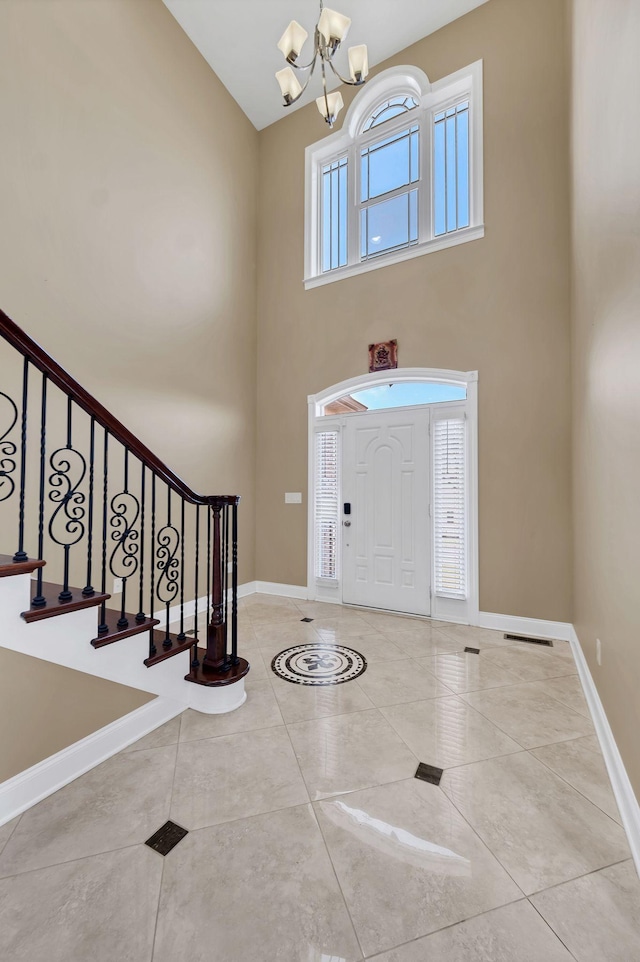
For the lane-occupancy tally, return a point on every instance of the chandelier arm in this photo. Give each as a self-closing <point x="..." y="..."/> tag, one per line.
<point x="350" y="83"/>
<point x="305" y="85"/>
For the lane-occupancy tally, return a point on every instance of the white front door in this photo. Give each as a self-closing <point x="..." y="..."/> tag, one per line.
<point x="386" y="535"/>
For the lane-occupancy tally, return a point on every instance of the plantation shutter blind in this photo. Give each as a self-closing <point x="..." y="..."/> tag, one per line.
<point x="326" y="512"/>
<point x="449" y="497"/>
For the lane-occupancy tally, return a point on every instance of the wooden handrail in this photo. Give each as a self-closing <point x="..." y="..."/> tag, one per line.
<point x="37" y="356"/>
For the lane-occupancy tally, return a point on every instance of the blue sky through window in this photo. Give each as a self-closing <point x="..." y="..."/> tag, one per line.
<point x="404" y="394"/>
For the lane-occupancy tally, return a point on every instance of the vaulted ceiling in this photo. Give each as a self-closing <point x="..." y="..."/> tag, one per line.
<point x="238" y="39"/>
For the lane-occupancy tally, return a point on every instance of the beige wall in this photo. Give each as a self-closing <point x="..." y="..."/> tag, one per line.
<point x="499" y="305"/>
<point x="127" y="249"/>
<point x="606" y="356"/>
<point x="44" y="708"/>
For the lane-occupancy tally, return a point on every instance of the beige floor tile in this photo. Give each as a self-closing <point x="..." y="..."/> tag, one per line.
<point x="166" y="734"/>
<point x="530" y="663"/>
<point x="408" y="864"/>
<point x="445" y="732"/>
<point x="422" y="643"/>
<point x="402" y="681"/>
<point x="513" y="933"/>
<point x="260" y="710"/>
<point x="461" y="672"/>
<point x="597" y="916"/>
<point x="476" y="637"/>
<point x="276" y="638"/>
<point x="121" y="802"/>
<point x="540" y="828"/>
<point x="392" y="623"/>
<point x="580" y="763"/>
<point x="259" y="600"/>
<point x="262" y="890"/>
<point x="347" y="625"/>
<point x="374" y="646"/>
<point x="344" y="753"/>
<point x="529" y="715"/>
<point x="302" y="702"/>
<point x="99" y="908"/>
<point x="273" y="615"/>
<point x="235" y="776"/>
<point x="258" y="671"/>
<point x="567" y="690"/>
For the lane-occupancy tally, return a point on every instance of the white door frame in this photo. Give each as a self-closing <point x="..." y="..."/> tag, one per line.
<point x="332" y="591"/>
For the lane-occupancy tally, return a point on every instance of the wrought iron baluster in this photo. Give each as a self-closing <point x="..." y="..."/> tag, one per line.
<point x="181" y="636"/>
<point x="123" y="561"/>
<point x="152" y="647"/>
<point x="141" y="616"/>
<point x="21" y="554"/>
<point x="234" y="585"/>
<point x="66" y="527"/>
<point x="103" y="627"/>
<point x="194" y="654"/>
<point x="89" y="590"/>
<point x="7" y="448"/>
<point x="40" y="601"/>
<point x="169" y="568"/>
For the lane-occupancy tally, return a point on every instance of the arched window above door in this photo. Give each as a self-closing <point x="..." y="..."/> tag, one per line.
<point x="398" y="394"/>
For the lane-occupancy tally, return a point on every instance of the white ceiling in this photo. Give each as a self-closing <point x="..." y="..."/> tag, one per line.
<point x="238" y="39"/>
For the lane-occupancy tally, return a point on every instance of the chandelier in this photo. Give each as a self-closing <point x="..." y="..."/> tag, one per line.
<point x="331" y="29"/>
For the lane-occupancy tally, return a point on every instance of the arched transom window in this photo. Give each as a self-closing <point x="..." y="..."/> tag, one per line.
<point x="403" y="176"/>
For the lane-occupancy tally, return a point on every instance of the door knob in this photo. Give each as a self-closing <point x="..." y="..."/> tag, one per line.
<point x="347" y="524"/>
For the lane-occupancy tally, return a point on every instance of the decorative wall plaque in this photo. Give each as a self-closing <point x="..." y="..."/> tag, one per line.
<point x="383" y="356"/>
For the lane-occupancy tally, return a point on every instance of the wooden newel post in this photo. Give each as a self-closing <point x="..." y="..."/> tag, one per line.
<point x="216" y="656"/>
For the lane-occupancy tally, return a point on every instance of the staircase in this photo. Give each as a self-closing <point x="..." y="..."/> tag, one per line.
<point x="81" y="496"/>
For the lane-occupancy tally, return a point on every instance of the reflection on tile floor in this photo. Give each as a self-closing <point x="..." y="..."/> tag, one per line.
<point x="309" y="838"/>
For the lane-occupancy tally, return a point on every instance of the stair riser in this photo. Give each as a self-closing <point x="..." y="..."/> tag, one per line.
<point x="65" y="641"/>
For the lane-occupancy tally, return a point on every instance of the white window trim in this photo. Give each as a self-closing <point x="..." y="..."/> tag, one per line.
<point x="443" y="608"/>
<point x="432" y="97"/>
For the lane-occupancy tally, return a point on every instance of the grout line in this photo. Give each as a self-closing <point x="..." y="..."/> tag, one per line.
<point x="70" y="861"/>
<point x="550" y="927"/>
<point x="593" y="871"/>
<point x="10" y="836"/>
<point x="155" y="927"/>
<point x="567" y="782"/>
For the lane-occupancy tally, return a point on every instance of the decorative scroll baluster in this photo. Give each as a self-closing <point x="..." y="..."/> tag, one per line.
<point x="123" y="562"/>
<point x="7" y="448"/>
<point x="68" y="468"/>
<point x="181" y="636"/>
<point x="21" y="554"/>
<point x="89" y="590"/>
<point x="234" y="585"/>
<point x="103" y="627"/>
<point x="194" y="655"/>
<point x="152" y="646"/>
<point x="169" y="568"/>
<point x="140" y="617"/>
<point x="40" y="601"/>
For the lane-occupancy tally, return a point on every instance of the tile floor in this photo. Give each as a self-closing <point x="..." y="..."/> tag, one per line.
<point x="309" y="838"/>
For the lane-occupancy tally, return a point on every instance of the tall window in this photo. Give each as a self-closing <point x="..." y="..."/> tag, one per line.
<point x="403" y="177"/>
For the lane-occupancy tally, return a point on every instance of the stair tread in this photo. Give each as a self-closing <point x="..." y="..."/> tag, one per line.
<point x="9" y="567"/>
<point x="163" y="653"/>
<point x="54" y="606"/>
<point x="118" y="634"/>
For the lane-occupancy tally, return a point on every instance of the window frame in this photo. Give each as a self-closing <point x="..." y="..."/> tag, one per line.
<point x="464" y="84"/>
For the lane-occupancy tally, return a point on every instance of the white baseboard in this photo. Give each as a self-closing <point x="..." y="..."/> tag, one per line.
<point x="285" y="591"/>
<point x="35" y="783"/>
<point x="622" y="789"/>
<point x="526" y="626"/>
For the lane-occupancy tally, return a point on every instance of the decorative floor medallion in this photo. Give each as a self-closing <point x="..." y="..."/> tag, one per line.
<point x="318" y="664"/>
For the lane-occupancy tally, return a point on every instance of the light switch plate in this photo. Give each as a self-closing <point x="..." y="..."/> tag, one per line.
<point x="293" y="497"/>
